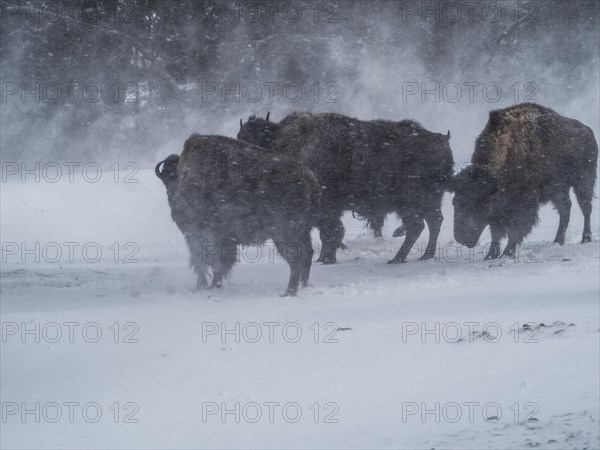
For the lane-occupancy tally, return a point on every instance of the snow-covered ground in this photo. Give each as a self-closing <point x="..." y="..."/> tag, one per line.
<point x="378" y="362"/>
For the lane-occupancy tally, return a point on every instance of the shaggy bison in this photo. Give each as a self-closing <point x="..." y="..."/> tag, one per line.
<point x="225" y="193"/>
<point x="372" y="168"/>
<point x="376" y="224"/>
<point x="526" y="155"/>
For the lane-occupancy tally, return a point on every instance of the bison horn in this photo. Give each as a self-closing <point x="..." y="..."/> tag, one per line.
<point x="157" y="169"/>
<point x="242" y="126"/>
<point x="448" y="135"/>
<point x="268" y="114"/>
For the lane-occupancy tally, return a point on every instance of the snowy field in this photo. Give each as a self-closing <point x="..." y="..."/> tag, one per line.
<point x="455" y="352"/>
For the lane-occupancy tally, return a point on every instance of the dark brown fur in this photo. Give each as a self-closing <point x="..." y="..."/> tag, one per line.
<point x="526" y="155"/>
<point x="370" y="167"/>
<point x="228" y="193"/>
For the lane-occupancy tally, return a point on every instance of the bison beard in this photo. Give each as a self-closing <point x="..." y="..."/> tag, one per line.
<point x="527" y="155"/>
<point x="372" y="168"/>
<point x="223" y="193"/>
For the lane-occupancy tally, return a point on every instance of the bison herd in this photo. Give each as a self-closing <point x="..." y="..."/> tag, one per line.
<point x="279" y="180"/>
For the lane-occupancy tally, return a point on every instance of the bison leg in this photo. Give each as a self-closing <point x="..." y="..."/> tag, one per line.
<point x="306" y="258"/>
<point x="399" y="232"/>
<point x="584" y="198"/>
<point x="497" y="235"/>
<point x="197" y="261"/>
<point x="434" y="223"/>
<point x="376" y="224"/>
<point x="293" y="253"/>
<point x="521" y="227"/>
<point x="223" y="261"/>
<point x="414" y="227"/>
<point x="201" y="283"/>
<point x="563" y="205"/>
<point x="331" y="231"/>
<point x="511" y="246"/>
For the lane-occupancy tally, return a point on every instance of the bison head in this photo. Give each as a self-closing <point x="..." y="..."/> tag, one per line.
<point x="473" y="188"/>
<point x="168" y="174"/>
<point x="257" y="131"/>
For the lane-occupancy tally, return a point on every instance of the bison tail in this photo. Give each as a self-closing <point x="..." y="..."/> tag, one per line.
<point x="168" y="174"/>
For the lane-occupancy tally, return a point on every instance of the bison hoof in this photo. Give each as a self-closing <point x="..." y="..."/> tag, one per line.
<point x="508" y="254"/>
<point x="426" y="256"/>
<point x="559" y="241"/>
<point x="329" y="261"/>
<point x="586" y="238"/>
<point x="289" y="293"/>
<point x="396" y="261"/>
<point x="201" y="285"/>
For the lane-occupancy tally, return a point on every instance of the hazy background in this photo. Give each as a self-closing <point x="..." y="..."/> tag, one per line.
<point x="124" y="82"/>
<point x="129" y="80"/>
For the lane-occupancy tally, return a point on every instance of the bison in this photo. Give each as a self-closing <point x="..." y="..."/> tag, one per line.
<point x="370" y="167"/>
<point x="374" y="223"/>
<point x="223" y="193"/>
<point x="525" y="156"/>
